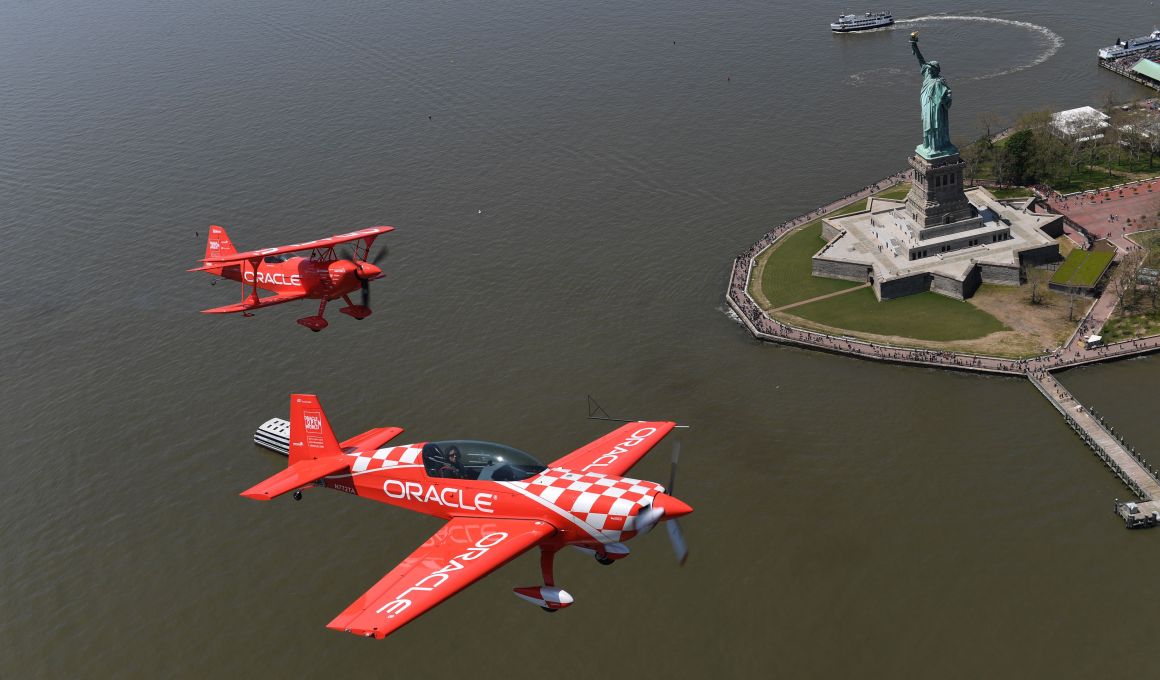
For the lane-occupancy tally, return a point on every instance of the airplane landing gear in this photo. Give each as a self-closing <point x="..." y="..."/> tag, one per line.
<point x="297" y="494"/>
<point x="604" y="559"/>
<point x="354" y="311"/>
<point x="547" y="597"/>
<point x="315" y="323"/>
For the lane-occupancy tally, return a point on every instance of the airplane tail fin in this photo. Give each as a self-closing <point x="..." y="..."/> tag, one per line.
<point x="314" y="452"/>
<point x="310" y="434"/>
<point x="219" y="244"/>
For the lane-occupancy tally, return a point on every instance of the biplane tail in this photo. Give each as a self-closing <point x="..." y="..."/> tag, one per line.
<point x="219" y="244"/>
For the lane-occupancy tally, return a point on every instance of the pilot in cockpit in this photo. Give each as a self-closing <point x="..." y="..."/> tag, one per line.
<point x="453" y="468"/>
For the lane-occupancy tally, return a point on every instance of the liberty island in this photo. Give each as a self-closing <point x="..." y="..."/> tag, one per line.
<point x="947" y="240"/>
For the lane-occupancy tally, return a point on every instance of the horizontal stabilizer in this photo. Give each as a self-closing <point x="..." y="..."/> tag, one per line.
<point x="297" y="475"/>
<point x="371" y="440"/>
<point x="250" y="303"/>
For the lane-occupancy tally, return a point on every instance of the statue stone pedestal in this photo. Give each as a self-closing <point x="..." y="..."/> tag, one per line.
<point x="936" y="196"/>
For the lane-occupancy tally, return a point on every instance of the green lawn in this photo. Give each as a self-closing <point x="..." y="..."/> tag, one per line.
<point x="897" y="192"/>
<point x="1010" y="192"/>
<point x="925" y="316"/>
<point x="788" y="278"/>
<point x="1082" y="268"/>
<point x="854" y="207"/>
<point x="1127" y="327"/>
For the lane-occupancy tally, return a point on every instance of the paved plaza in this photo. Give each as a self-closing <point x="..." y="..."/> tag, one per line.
<point x="1115" y="213"/>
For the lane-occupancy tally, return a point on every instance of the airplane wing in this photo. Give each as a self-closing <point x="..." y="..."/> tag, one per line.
<point x="368" y="234"/>
<point x="616" y="452"/>
<point x="249" y="303"/>
<point x="465" y="550"/>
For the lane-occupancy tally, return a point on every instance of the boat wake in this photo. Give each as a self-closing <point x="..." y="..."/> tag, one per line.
<point x="1055" y="41"/>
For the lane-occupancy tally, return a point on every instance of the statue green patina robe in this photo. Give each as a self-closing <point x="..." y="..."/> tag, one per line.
<point x="936" y="104"/>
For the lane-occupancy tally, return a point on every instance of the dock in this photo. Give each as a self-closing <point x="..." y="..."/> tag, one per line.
<point x="1119" y="69"/>
<point x="1123" y="460"/>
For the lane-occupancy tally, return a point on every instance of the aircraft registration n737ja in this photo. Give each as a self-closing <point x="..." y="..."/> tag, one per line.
<point x="498" y="503"/>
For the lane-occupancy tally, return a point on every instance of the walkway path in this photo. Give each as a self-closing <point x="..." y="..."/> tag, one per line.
<point x="821" y="297"/>
<point x="1121" y="459"/>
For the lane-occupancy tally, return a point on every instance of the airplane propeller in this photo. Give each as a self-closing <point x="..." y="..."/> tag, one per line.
<point x="676" y="538"/>
<point x="366" y="283"/>
<point x="650" y="515"/>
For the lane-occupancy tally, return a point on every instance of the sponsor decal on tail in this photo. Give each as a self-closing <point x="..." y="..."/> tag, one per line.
<point x="310" y="433"/>
<point x="219" y="244"/>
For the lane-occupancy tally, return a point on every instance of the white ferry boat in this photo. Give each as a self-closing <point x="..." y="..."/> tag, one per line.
<point x="854" y="22"/>
<point x="1123" y="47"/>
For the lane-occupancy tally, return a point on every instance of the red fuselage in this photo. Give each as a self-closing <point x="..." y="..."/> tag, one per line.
<point x="315" y="279"/>
<point x="586" y="508"/>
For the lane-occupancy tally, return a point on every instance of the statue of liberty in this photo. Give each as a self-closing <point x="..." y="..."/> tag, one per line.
<point x="936" y="104"/>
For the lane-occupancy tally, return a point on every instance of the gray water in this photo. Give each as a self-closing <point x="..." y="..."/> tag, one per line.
<point x="569" y="182"/>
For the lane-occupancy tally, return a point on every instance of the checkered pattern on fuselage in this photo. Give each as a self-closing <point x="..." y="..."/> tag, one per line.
<point x="386" y="458"/>
<point x="602" y="502"/>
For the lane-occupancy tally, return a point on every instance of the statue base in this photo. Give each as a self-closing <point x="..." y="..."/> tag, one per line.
<point x="936" y="195"/>
<point x="931" y="154"/>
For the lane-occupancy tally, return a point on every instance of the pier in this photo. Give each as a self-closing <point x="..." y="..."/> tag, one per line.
<point x="1117" y="456"/>
<point x="1117" y="68"/>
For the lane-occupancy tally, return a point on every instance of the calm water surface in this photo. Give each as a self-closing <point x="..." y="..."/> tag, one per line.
<point x="569" y="182"/>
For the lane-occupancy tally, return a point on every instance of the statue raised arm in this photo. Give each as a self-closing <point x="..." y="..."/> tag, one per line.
<point x="936" y="103"/>
<point x="914" y="48"/>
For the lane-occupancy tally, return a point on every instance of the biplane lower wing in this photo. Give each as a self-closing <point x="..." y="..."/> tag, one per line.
<point x="250" y="303"/>
<point x="465" y="550"/>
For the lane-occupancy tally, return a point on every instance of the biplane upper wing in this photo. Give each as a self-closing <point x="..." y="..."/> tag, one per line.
<point x="369" y="234"/>
<point x="251" y="303"/>
<point x="616" y="452"/>
<point x="465" y="550"/>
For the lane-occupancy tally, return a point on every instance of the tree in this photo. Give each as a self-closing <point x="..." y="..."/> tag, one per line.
<point x="1017" y="152"/>
<point x="1124" y="280"/>
<point x="1072" y="298"/>
<point x="1075" y="156"/>
<point x="971" y="156"/>
<point x="1150" y="131"/>
<point x="1036" y="278"/>
<point x="1109" y="102"/>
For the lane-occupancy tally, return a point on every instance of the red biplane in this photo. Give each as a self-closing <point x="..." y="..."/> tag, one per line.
<point x="322" y="275"/>
<point x="498" y="503"/>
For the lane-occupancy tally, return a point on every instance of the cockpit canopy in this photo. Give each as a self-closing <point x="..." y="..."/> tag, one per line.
<point x="478" y="460"/>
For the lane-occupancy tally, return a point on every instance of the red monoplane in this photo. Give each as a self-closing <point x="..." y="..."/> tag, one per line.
<point x="321" y="275"/>
<point x="498" y="503"/>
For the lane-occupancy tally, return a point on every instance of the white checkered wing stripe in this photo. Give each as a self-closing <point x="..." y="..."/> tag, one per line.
<point x="582" y="493"/>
